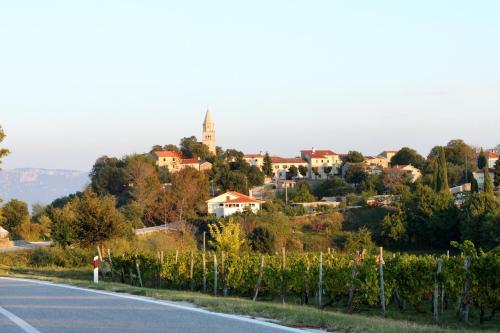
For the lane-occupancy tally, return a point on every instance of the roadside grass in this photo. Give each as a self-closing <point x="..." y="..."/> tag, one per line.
<point x="290" y="315"/>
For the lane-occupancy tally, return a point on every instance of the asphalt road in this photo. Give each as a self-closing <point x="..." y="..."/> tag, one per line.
<point x="33" y="306"/>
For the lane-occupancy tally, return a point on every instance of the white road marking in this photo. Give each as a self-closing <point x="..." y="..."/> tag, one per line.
<point x="18" y="321"/>
<point x="158" y="302"/>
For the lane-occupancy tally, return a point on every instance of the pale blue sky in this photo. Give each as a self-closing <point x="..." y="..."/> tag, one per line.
<point x="83" y="79"/>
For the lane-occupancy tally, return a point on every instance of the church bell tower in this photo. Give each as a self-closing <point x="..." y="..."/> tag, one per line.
<point x="208" y="135"/>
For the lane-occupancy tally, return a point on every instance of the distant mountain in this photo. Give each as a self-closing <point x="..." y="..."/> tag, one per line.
<point x="40" y="185"/>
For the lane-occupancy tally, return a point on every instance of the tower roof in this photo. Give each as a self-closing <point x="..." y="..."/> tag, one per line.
<point x="208" y="118"/>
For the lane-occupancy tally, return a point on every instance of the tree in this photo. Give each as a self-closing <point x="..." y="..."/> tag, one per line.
<point x="233" y="180"/>
<point x="354" y="157"/>
<point x="441" y="174"/>
<point x="63" y="228"/>
<point x="108" y="176"/>
<point x="393" y="227"/>
<point x="188" y="193"/>
<point x="97" y="220"/>
<point x="267" y="166"/>
<point x="262" y="240"/>
<point x="480" y="220"/>
<point x="255" y="176"/>
<point x="302" y="194"/>
<point x="496" y="173"/>
<point x="292" y="172"/>
<point x="327" y="171"/>
<point x="481" y="160"/>
<point x="227" y="237"/>
<point x="3" y="152"/>
<point x="407" y="156"/>
<point x="303" y="170"/>
<point x="356" y="174"/>
<point x="190" y="147"/>
<point x="315" y="171"/>
<point x="488" y="182"/>
<point x="15" y="213"/>
<point x="359" y="240"/>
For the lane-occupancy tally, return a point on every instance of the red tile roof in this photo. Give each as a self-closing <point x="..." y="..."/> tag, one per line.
<point x="492" y="154"/>
<point x="241" y="198"/>
<point x="318" y="153"/>
<point x="190" y="161"/>
<point x="277" y="159"/>
<point x="168" y="154"/>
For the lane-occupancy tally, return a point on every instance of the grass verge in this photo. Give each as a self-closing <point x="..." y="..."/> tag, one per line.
<point x="290" y="315"/>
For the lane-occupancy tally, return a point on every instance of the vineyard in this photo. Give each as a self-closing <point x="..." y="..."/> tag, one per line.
<point x="435" y="283"/>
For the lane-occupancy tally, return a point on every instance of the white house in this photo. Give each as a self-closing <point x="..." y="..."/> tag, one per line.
<point x="492" y="157"/>
<point x="232" y="202"/>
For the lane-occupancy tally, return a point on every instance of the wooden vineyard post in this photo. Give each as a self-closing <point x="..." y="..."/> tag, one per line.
<point x="436" y="290"/>
<point x="161" y="268"/>
<point x="223" y="274"/>
<point x="191" y="271"/>
<point x="259" y="280"/>
<point x="111" y="265"/>
<point x="465" y="299"/>
<point x="176" y="256"/>
<point x="382" y="284"/>
<point x="204" y="267"/>
<point x="351" y="287"/>
<point x="215" y="274"/>
<point x="138" y="272"/>
<point x="283" y="275"/>
<point x="204" y="244"/>
<point x="99" y="253"/>
<point x="320" y="289"/>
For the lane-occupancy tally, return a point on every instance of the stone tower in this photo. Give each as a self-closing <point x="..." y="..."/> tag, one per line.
<point x="208" y="135"/>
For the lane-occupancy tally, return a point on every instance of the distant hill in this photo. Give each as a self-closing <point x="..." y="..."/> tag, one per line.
<point x="40" y="185"/>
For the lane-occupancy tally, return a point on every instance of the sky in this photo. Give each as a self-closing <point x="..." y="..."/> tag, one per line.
<point x="82" y="79"/>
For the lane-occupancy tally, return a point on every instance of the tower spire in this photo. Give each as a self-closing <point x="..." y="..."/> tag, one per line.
<point x="208" y="134"/>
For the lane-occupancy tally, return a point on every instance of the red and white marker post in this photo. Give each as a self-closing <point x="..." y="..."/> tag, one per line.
<point x="96" y="269"/>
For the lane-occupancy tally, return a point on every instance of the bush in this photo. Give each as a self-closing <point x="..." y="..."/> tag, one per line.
<point x="262" y="240"/>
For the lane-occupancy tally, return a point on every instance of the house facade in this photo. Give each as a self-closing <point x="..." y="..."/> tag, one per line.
<point x="320" y="160"/>
<point x="281" y="166"/>
<point x="174" y="161"/>
<point x="491" y="158"/>
<point x="230" y="203"/>
<point x="410" y="169"/>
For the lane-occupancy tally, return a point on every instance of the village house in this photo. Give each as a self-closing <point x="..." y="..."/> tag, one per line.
<point x="321" y="160"/>
<point x="379" y="160"/>
<point x="281" y="166"/>
<point x="255" y="159"/>
<point x="174" y="161"/>
<point x="232" y="202"/>
<point x="388" y="154"/>
<point x="491" y="158"/>
<point x="410" y="169"/>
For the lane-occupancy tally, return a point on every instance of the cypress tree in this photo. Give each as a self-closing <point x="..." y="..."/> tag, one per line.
<point x="488" y="182"/>
<point x="481" y="160"/>
<point x="267" y="166"/>
<point x="442" y="173"/>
